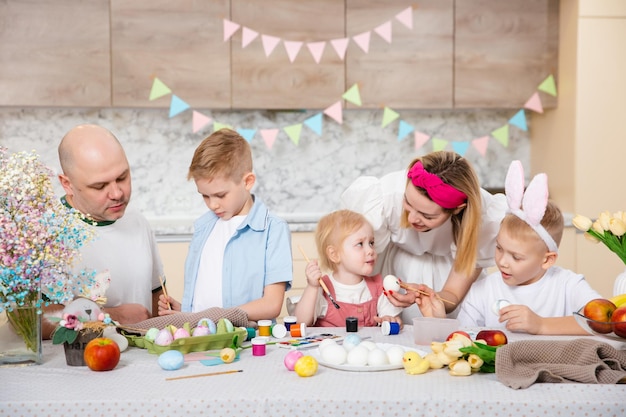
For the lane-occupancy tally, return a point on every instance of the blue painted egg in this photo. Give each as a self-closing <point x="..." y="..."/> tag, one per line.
<point x="171" y="360"/>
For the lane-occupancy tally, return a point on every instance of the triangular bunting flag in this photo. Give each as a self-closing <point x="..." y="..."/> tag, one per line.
<point x="404" y="129"/>
<point x="229" y="29"/>
<point x="420" y="139"/>
<point x="269" y="43"/>
<point x="219" y="126"/>
<point x="502" y="135"/>
<point x="548" y="86"/>
<point x="384" y="31"/>
<point x="481" y="144"/>
<point x="519" y="120"/>
<point x="406" y="17"/>
<point x="199" y="121"/>
<point x="316" y="49"/>
<point x="158" y="89"/>
<point x="177" y="106"/>
<point x="389" y="116"/>
<point x="247" y="134"/>
<point x="292" y="49"/>
<point x="315" y="123"/>
<point x="439" y="144"/>
<point x="247" y="36"/>
<point x="293" y="132"/>
<point x="352" y="95"/>
<point x="340" y="46"/>
<point x="534" y="103"/>
<point x="269" y="136"/>
<point x="335" y="112"/>
<point x="363" y="40"/>
<point x="460" y="147"/>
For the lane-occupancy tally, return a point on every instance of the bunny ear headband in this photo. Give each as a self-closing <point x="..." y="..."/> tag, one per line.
<point x="534" y="201"/>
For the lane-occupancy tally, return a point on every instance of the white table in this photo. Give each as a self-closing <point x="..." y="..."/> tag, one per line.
<point x="137" y="387"/>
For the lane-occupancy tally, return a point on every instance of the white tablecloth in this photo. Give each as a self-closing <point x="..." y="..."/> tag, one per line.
<point x="137" y="387"/>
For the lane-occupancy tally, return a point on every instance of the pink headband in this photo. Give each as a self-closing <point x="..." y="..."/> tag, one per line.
<point x="441" y="193"/>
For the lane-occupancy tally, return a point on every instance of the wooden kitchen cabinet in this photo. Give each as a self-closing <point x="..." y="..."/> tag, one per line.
<point x="414" y="70"/>
<point x="180" y="42"/>
<point x="273" y="82"/>
<point x="503" y="50"/>
<point x="54" y="53"/>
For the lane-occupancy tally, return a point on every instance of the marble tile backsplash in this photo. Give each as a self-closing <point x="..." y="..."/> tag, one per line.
<point x="298" y="182"/>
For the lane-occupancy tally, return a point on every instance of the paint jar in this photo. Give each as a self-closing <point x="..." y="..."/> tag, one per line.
<point x="258" y="346"/>
<point x="352" y="324"/>
<point x="279" y="331"/>
<point x="298" y="330"/>
<point x="289" y="320"/>
<point x="250" y="332"/>
<point x="265" y="327"/>
<point x="389" y="328"/>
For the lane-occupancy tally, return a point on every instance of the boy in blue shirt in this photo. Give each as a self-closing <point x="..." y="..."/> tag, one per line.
<point x="240" y="253"/>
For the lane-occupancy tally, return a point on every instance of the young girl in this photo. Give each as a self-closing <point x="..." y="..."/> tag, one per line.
<point x="434" y="226"/>
<point x="345" y="244"/>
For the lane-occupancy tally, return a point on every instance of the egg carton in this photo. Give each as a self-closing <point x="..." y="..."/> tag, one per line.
<point x="191" y="344"/>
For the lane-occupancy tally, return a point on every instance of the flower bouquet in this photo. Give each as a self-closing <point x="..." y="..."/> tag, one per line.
<point x="40" y="239"/>
<point x="607" y="229"/>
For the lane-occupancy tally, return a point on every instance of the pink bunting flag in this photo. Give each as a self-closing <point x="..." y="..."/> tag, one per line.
<point x="229" y="29"/>
<point x="406" y="17"/>
<point x="247" y="36"/>
<point x="316" y="49"/>
<point x="384" y="31"/>
<point x="335" y="112"/>
<point x="340" y="46"/>
<point x="292" y="48"/>
<point x="269" y="43"/>
<point x="269" y="136"/>
<point x="481" y="144"/>
<point x="199" y="121"/>
<point x="420" y="139"/>
<point x="534" y="103"/>
<point x="363" y="40"/>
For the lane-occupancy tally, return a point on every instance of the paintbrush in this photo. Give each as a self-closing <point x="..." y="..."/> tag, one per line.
<point x="165" y="292"/>
<point x="321" y="281"/>
<point x="409" y="288"/>
<point x="199" y="375"/>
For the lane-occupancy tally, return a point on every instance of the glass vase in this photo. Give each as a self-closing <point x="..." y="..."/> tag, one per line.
<point x="620" y="284"/>
<point x="20" y="336"/>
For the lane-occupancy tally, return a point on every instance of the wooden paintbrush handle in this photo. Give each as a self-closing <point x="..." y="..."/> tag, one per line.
<point x="408" y="287"/>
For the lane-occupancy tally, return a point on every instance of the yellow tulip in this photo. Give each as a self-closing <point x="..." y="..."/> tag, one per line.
<point x="604" y="220"/>
<point x="597" y="227"/>
<point x="475" y="361"/>
<point x="460" y="368"/>
<point x="617" y="227"/>
<point x="591" y="238"/>
<point x="582" y="223"/>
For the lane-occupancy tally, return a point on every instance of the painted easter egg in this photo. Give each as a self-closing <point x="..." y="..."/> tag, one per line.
<point x="171" y="360"/>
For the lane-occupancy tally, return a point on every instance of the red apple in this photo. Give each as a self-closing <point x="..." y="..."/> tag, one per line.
<point x="461" y="332"/>
<point x="619" y="321"/>
<point x="102" y="354"/>
<point x="492" y="337"/>
<point x="600" y="310"/>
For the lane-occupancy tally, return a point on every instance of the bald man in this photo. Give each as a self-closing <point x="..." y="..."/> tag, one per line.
<point x="97" y="182"/>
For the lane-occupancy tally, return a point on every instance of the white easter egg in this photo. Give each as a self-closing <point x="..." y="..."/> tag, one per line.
<point x="334" y="354"/>
<point x="368" y="344"/>
<point x="499" y="304"/>
<point x="390" y="283"/>
<point x="377" y="357"/>
<point x="326" y="342"/>
<point x="395" y="354"/>
<point x="121" y="341"/>
<point x="351" y="341"/>
<point x="358" y="356"/>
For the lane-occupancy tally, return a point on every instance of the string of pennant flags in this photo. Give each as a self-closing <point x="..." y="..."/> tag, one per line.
<point x="335" y="112"/>
<point x="316" y="48"/>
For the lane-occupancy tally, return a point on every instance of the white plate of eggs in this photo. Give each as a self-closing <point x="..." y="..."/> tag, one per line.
<point x="358" y="355"/>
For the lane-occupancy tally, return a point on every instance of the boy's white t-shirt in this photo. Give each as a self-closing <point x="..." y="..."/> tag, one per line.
<point x="208" y="290"/>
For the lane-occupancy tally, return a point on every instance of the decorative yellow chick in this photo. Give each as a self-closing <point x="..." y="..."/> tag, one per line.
<point x="414" y="364"/>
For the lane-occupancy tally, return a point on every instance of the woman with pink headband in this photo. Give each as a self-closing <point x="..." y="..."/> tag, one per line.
<point x="434" y="226"/>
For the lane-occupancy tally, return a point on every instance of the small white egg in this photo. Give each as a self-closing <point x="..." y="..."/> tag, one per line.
<point x="499" y="304"/>
<point x="358" y="356"/>
<point x="390" y="283"/>
<point x="121" y="341"/>
<point x="351" y="341"/>
<point x="395" y="354"/>
<point x="334" y="354"/>
<point x="326" y="342"/>
<point x="377" y="357"/>
<point x="368" y="344"/>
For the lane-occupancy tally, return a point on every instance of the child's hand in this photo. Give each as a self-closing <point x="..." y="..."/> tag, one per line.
<point x="313" y="274"/>
<point x="165" y="303"/>
<point x="429" y="304"/>
<point x="520" y="318"/>
<point x="392" y="319"/>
